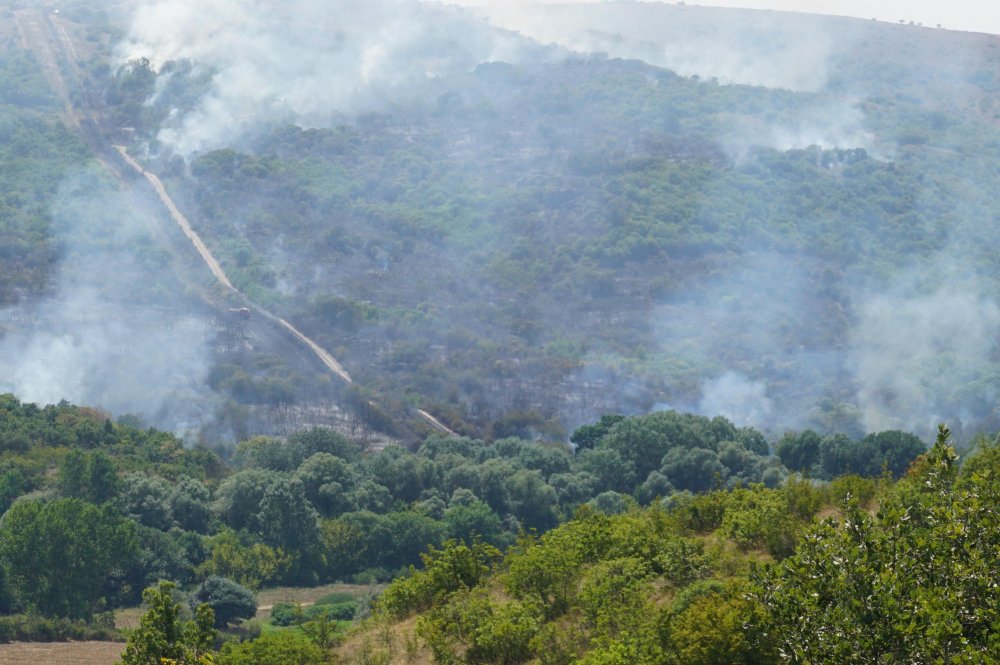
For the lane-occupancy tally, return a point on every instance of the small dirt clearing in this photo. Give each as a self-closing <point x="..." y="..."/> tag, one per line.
<point x="61" y="653"/>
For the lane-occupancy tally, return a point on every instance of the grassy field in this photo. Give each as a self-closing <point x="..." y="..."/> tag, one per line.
<point x="266" y="599"/>
<point x="61" y="653"/>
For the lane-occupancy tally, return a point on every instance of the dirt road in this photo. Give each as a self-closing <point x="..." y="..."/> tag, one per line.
<point x="177" y="216"/>
<point x="49" y="40"/>
<point x="36" y="36"/>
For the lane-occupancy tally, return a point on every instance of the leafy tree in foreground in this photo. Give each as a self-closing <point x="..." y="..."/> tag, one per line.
<point x="914" y="584"/>
<point x="285" y="648"/>
<point x="162" y="637"/>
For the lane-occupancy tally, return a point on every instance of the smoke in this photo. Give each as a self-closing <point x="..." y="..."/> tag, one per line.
<point x="755" y="340"/>
<point x="752" y="48"/>
<point x="768" y="49"/>
<point x="914" y="347"/>
<point x="827" y="124"/>
<point x="776" y="338"/>
<point x="304" y="61"/>
<point x="737" y="398"/>
<point x="112" y="335"/>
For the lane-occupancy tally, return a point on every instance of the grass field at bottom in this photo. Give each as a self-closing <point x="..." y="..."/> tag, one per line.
<point x="60" y="653"/>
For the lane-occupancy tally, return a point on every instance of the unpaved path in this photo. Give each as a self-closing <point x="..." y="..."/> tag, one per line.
<point x="436" y="423"/>
<point x="320" y="352"/>
<point x="49" y="40"/>
<point x="36" y="36"/>
<point x="203" y="251"/>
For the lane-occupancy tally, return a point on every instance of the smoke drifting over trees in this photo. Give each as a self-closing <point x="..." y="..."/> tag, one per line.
<point x="116" y="330"/>
<point x="522" y="217"/>
<point x="306" y="62"/>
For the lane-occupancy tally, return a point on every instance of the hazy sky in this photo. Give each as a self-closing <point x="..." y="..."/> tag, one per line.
<point x="974" y="15"/>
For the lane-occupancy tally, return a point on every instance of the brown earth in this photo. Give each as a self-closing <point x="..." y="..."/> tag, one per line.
<point x="61" y="653"/>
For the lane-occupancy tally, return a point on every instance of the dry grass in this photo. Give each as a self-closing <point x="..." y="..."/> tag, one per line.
<point x="61" y="653"/>
<point x="128" y="617"/>
<point x="307" y="595"/>
<point x="395" y="640"/>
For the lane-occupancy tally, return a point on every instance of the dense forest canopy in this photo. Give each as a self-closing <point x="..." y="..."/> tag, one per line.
<point x="319" y="507"/>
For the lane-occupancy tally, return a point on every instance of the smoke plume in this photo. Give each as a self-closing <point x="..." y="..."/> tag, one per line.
<point x="116" y="332"/>
<point x="304" y="61"/>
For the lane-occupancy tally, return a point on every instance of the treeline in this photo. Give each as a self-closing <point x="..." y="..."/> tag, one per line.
<point x="853" y="571"/>
<point x="97" y="510"/>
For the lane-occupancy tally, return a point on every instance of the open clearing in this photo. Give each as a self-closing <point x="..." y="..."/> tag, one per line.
<point x="61" y="653"/>
<point x="266" y="599"/>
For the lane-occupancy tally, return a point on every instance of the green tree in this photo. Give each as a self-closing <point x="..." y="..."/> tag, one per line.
<point x="284" y="648"/>
<point x="469" y="521"/>
<point x="60" y="555"/>
<point x="912" y="584"/>
<point x="238" y="557"/>
<point x="327" y="480"/>
<point x="229" y="601"/>
<point x="718" y="627"/>
<point x="189" y="505"/>
<point x="72" y="480"/>
<point x="287" y="521"/>
<point x="533" y="501"/>
<point x="102" y="478"/>
<point x="12" y="485"/>
<point x="163" y="637"/>
<point x="146" y="499"/>
<point x="238" y="498"/>
<point x="588" y="436"/>
<point x="799" y="451"/>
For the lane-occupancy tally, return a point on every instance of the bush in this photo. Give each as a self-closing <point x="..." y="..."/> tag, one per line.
<point x="278" y="648"/>
<point x="230" y="601"/>
<point x="283" y="614"/>
<point x="457" y="566"/>
<point x="853" y="488"/>
<point x="289" y="614"/>
<point x="35" y="628"/>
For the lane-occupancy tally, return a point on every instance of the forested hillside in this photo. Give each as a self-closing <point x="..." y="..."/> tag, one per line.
<point x="852" y="572"/>
<point x="318" y="507"/>
<point x="519" y="244"/>
<point x="620" y="339"/>
<point x="530" y="245"/>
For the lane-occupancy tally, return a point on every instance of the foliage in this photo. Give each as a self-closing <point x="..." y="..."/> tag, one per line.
<point x="911" y="584"/>
<point x="36" y="628"/>
<point x="237" y="557"/>
<point x="60" y="556"/>
<point x="457" y="566"/>
<point x="162" y="636"/>
<point x="229" y="601"/>
<point x="284" y="648"/>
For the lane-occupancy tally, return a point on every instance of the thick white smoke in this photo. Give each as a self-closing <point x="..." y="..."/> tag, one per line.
<point x="912" y="349"/>
<point x="117" y="332"/>
<point x="305" y="61"/>
<point x="754" y="48"/>
<point x="737" y="398"/>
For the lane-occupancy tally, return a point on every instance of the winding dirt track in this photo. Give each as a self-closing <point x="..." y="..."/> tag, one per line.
<point x="437" y="424"/>
<point x="49" y="40"/>
<point x="203" y="251"/>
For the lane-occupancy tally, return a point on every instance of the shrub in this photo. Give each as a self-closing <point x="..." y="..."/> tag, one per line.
<point x="230" y="601"/>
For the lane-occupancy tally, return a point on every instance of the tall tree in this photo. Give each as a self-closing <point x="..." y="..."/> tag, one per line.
<point x="163" y="637"/>
<point x="59" y="555"/>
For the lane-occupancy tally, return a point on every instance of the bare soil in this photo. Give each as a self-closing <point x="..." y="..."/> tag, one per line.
<point x="61" y="653"/>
